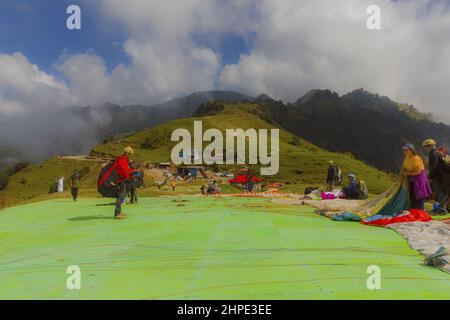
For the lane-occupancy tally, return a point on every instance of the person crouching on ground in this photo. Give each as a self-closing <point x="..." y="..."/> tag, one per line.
<point x="439" y="178"/>
<point x="125" y="175"/>
<point x="414" y="169"/>
<point x="74" y="184"/>
<point x="351" y="190"/>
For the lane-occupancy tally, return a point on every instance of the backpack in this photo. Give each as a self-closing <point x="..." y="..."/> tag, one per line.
<point x="107" y="180"/>
<point x="339" y="176"/>
<point x="137" y="180"/>
<point x="361" y="190"/>
<point x="309" y="190"/>
<point x="444" y="156"/>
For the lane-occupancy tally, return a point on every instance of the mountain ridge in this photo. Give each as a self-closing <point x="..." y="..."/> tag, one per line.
<point x="307" y="117"/>
<point x="302" y="164"/>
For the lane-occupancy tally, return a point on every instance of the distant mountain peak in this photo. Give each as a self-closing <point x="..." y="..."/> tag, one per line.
<point x="375" y="101"/>
<point x="264" y="97"/>
<point x="317" y="94"/>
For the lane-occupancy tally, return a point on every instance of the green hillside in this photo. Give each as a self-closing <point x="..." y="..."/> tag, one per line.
<point x="301" y="163"/>
<point x="36" y="180"/>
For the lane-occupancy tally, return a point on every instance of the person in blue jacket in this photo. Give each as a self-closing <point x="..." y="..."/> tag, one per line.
<point x="351" y="190"/>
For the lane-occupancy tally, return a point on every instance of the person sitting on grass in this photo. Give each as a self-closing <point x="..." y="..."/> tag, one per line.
<point x="212" y="187"/>
<point x="351" y="190"/>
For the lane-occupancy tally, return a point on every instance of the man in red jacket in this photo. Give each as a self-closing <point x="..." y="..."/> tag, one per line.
<point x="125" y="174"/>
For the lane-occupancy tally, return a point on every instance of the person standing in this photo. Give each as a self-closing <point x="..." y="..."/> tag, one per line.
<point x="331" y="176"/>
<point x="173" y="184"/>
<point x="133" y="188"/>
<point x="133" y="183"/>
<point x="125" y="175"/>
<point x="60" y="184"/>
<point x="74" y="184"/>
<point x="249" y="182"/>
<point x="414" y="170"/>
<point x="440" y="180"/>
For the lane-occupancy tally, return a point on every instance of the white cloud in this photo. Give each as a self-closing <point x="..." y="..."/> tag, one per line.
<point x="302" y="45"/>
<point x="157" y="73"/>
<point x="166" y="60"/>
<point x="87" y="75"/>
<point x="23" y="85"/>
<point x="170" y="21"/>
<point x="296" y="46"/>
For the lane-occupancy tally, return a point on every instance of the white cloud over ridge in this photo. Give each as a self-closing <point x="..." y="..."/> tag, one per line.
<point x="302" y="45"/>
<point x="23" y="84"/>
<point x="296" y="46"/>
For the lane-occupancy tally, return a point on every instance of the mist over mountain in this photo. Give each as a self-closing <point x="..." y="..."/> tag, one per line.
<point x="35" y="136"/>
<point x="369" y="126"/>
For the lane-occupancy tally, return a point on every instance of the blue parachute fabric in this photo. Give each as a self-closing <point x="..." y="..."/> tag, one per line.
<point x="346" y="216"/>
<point x="398" y="203"/>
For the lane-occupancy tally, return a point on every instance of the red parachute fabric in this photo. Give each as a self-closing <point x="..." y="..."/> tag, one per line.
<point x="243" y="179"/>
<point x="414" y="215"/>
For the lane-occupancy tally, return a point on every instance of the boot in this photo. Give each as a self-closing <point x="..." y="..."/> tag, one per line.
<point x="120" y="216"/>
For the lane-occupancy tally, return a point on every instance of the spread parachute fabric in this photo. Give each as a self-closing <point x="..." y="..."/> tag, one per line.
<point x="392" y="201"/>
<point x="409" y="216"/>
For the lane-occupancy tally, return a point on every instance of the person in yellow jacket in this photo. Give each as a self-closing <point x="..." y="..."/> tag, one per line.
<point x="414" y="170"/>
<point x="173" y="184"/>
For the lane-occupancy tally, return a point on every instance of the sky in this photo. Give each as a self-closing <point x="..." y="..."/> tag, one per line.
<point x="149" y="51"/>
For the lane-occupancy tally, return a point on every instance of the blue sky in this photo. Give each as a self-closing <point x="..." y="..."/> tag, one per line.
<point x="149" y="51"/>
<point x="37" y="28"/>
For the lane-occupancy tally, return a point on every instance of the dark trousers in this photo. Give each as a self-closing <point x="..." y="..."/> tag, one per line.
<point x="440" y="195"/>
<point x="74" y="192"/>
<point x="330" y="185"/>
<point x="133" y="194"/>
<point x="416" y="203"/>
<point x="121" y="194"/>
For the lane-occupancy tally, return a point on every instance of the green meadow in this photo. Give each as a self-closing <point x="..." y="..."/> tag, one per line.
<point x="203" y="248"/>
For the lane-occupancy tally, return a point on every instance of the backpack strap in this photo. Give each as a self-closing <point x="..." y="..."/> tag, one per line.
<point x="108" y="173"/>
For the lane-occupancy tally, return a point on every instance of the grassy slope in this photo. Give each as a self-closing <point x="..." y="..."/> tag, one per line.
<point x="301" y="166"/>
<point x="35" y="180"/>
<point x="203" y="248"/>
